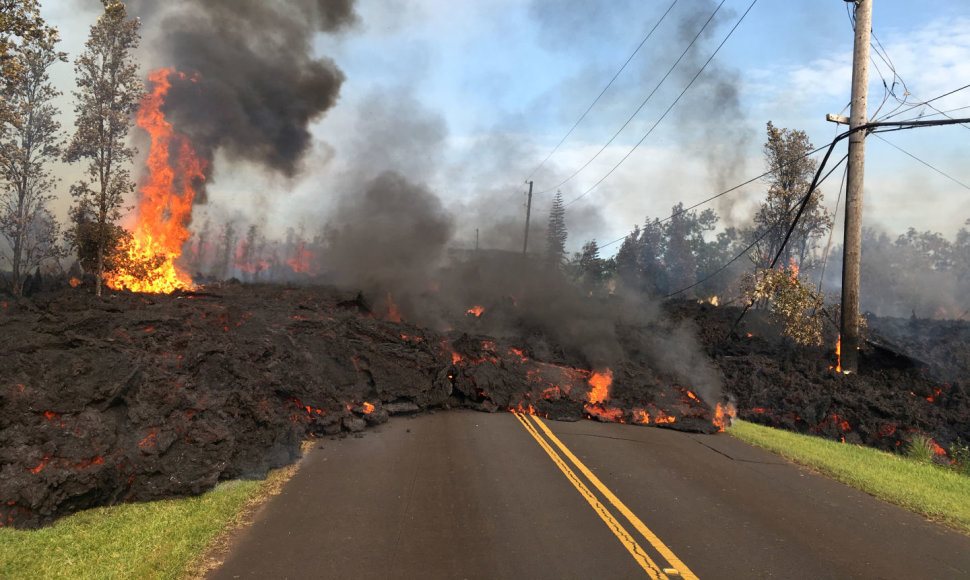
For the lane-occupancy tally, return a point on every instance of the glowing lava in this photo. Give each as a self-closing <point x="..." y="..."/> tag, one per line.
<point x="601" y="386"/>
<point x="165" y="199"/>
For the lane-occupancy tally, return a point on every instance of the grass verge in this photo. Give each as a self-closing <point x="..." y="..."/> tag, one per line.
<point x="927" y="489"/>
<point x="160" y="539"/>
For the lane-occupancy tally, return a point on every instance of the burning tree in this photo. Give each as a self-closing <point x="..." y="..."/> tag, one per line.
<point x="28" y="143"/>
<point x="108" y="95"/>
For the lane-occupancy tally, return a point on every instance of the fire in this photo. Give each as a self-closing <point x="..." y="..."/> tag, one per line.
<point x="476" y="310"/>
<point x="368" y="408"/>
<point x="601" y="386"/>
<point x="724" y="414"/>
<point x="838" y="355"/>
<point x="393" y="313"/>
<point x="300" y="262"/>
<point x="165" y="200"/>
<point x="793" y="268"/>
<point x="74" y="282"/>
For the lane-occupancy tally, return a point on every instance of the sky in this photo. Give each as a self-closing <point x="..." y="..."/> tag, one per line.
<point x="469" y="98"/>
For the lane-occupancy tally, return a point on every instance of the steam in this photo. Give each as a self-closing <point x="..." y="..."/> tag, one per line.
<point x="260" y="83"/>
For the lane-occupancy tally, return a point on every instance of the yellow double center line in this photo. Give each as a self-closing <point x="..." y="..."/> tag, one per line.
<point x="676" y="569"/>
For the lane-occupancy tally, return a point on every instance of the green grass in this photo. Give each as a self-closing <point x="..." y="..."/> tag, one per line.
<point x="161" y="539"/>
<point x="931" y="490"/>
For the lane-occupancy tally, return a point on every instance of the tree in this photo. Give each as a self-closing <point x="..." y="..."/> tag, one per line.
<point x="790" y="174"/>
<point x="29" y="142"/>
<point x="591" y="267"/>
<point x="109" y="90"/>
<point x="20" y="24"/>
<point x="556" y="233"/>
<point x="227" y="245"/>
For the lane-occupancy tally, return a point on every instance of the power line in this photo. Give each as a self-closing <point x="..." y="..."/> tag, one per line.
<point x="874" y="127"/>
<point x="642" y="104"/>
<point x="801" y="206"/>
<point x="603" y="92"/>
<point x="723" y="193"/>
<point x="672" y="105"/>
<point x="901" y="150"/>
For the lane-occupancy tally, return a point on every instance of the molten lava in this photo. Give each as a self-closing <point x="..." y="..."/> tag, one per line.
<point x="165" y="199"/>
<point x="601" y="386"/>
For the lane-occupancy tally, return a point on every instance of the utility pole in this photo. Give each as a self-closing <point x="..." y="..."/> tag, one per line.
<point x="528" y="214"/>
<point x="853" y="193"/>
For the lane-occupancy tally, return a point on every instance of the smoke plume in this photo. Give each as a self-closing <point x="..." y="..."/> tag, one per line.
<point x="259" y="82"/>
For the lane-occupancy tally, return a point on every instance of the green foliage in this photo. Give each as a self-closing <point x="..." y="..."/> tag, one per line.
<point x="959" y="452"/>
<point x="109" y="90"/>
<point x="664" y="257"/>
<point x="790" y="174"/>
<point x="799" y="307"/>
<point x="556" y="233"/>
<point x="920" y="449"/>
<point x="923" y="488"/>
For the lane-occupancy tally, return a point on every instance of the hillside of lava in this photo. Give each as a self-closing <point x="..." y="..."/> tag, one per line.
<point x="135" y="397"/>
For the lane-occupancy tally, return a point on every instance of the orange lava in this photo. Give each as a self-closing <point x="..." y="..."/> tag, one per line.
<point x="74" y="282"/>
<point x="600" y="381"/>
<point x="165" y="200"/>
<point x="476" y="310"/>
<point x="724" y="414"/>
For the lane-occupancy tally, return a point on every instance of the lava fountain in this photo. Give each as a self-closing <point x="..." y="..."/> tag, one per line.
<point x="165" y="199"/>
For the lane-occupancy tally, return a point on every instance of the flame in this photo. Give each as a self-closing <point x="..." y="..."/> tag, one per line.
<point x="74" y="282"/>
<point x="165" y="200"/>
<point x="793" y="268"/>
<point x="368" y="408"/>
<point x="838" y="355"/>
<point x="724" y="414"/>
<point x="300" y="262"/>
<point x="476" y="310"/>
<point x="600" y="382"/>
<point x="393" y="313"/>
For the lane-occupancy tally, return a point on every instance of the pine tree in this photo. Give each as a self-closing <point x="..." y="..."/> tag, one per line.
<point x="109" y="90"/>
<point x="556" y="233"/>
<point x="29" y="142"/>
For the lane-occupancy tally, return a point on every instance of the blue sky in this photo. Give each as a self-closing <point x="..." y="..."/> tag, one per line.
<point x="469" y="97"/>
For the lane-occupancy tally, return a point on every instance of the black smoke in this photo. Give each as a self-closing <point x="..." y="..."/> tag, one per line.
<point x="260" y="83"/>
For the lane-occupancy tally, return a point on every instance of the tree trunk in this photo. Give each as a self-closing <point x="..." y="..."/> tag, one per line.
<point x="99" y="274"/>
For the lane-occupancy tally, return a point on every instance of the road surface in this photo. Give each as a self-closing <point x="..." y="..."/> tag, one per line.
<point x="462" y="494"/>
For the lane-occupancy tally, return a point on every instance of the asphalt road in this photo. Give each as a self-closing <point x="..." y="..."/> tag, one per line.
<point x="461" y="494"/>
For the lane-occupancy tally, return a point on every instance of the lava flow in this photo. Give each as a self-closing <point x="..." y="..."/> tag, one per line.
<point x="165" y="199"/>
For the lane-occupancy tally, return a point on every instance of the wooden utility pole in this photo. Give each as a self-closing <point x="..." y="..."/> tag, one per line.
<point x="853" y="193"/>
<point x="528" y="214"/>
